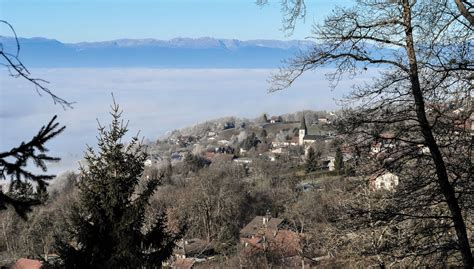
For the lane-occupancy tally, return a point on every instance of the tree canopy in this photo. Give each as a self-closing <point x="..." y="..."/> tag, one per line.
<point x="110" y="225"/>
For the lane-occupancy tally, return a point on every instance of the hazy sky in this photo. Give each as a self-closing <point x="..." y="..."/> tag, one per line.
<point x="154" y="100"/>
<point x="95" y="20"/>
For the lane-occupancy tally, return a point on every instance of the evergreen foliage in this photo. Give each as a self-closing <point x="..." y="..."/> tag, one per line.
<point x="13" y="166"/>
<point x="21" y="191"/>
<point x="109" y="226"/>
<point x="194" y="163"/>
<point x="250" y="142"/>
<point x="339" y="161"/>
<point x="311" y="161"/>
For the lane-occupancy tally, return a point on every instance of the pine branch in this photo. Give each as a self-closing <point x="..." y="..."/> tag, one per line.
<point x="13" y="164"/>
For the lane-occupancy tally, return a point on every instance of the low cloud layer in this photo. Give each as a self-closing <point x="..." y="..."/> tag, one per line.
<point x="155" y="101"/>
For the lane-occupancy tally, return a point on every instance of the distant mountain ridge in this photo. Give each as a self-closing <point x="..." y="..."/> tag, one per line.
<point x="198" y="43"/>
<point x="203" y="52"/>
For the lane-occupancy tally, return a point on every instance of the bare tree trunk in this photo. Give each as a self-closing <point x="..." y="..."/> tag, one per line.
<point x="464" y="11"/>
<point x="443" y="180"/>
<point x="4" y="229"/>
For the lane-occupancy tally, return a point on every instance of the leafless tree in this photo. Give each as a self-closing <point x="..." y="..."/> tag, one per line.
<point x="292" y="11"/>
<point x="417" y="110"/>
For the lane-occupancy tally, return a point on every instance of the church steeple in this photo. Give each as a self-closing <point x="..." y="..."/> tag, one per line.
<point x="303" y="125"/>
<point x="303" y="131"/>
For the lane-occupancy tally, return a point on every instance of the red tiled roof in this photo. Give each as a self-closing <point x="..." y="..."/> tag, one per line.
<point x="254" y="241"/>
<point x="23" y="263"/>
<point x="286" y="242"/>
<point x="256" y="226"/>
<point x="194" y="246"/>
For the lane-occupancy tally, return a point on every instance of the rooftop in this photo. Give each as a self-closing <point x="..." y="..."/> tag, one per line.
<point x="194" y="247"/>
<point x="259" y="224"/>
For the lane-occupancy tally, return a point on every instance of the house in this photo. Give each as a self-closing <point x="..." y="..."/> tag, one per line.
<point x="269" y="156"/>
<point x="148" y="163"/>
<point x="184" y="141"/>
<point x="277" y="150"/>
<point x="382" y="143"/>
<point x="191" y="251"/>
<point x="279" y="144"/>
<point x="223" y="142"/>
<point x="324" y="120"/>
<point x="243" y="160"/>
<point x="258" y="226"/>
<point x="153" y="159"/>
<point x="229" y="125"/>
<point x="266" y="234"/>
<point x="194" y="248"/>
<point x="309" y="139"/>
<point x="423" y="149"/>
<point x="304" y="137"/>
<point x="275" y="119"/>
<point x="384" y="181"/>
<point x="294" y="141"/>
<point x="329" y="162"/>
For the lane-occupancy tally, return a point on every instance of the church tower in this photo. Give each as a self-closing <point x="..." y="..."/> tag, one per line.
<point x="303" y="131"/>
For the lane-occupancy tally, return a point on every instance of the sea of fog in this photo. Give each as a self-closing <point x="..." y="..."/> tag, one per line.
<point x="155" y="101"/>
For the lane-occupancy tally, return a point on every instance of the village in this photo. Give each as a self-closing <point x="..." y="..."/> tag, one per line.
<point x="268" y="139"/>
<point x="288" y="143"/>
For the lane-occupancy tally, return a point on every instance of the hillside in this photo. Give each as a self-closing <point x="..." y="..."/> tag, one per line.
<point x="232" y="135"/>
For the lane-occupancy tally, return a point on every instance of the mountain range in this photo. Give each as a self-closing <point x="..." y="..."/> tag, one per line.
<point x="203" y="52"/>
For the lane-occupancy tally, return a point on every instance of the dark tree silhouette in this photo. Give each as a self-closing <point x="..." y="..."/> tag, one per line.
<point x="13" y="163"/>
<point x="250" y="141"/>
<point x="109" y="223"/>
<point x="339" y="160"/>
<point x="13" y="166"/>
<point x="311" y="160"/>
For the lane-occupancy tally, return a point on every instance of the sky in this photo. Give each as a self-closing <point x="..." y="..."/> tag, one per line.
<point x="99" y="20"/>
<point x="155" y="101"/>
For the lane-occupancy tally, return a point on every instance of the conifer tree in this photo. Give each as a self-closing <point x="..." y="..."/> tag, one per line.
<point x="250" y="142"/>
<point x="311" y="162"/>
<point x="107" y="223"/>
<point x="339" y="161"/>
